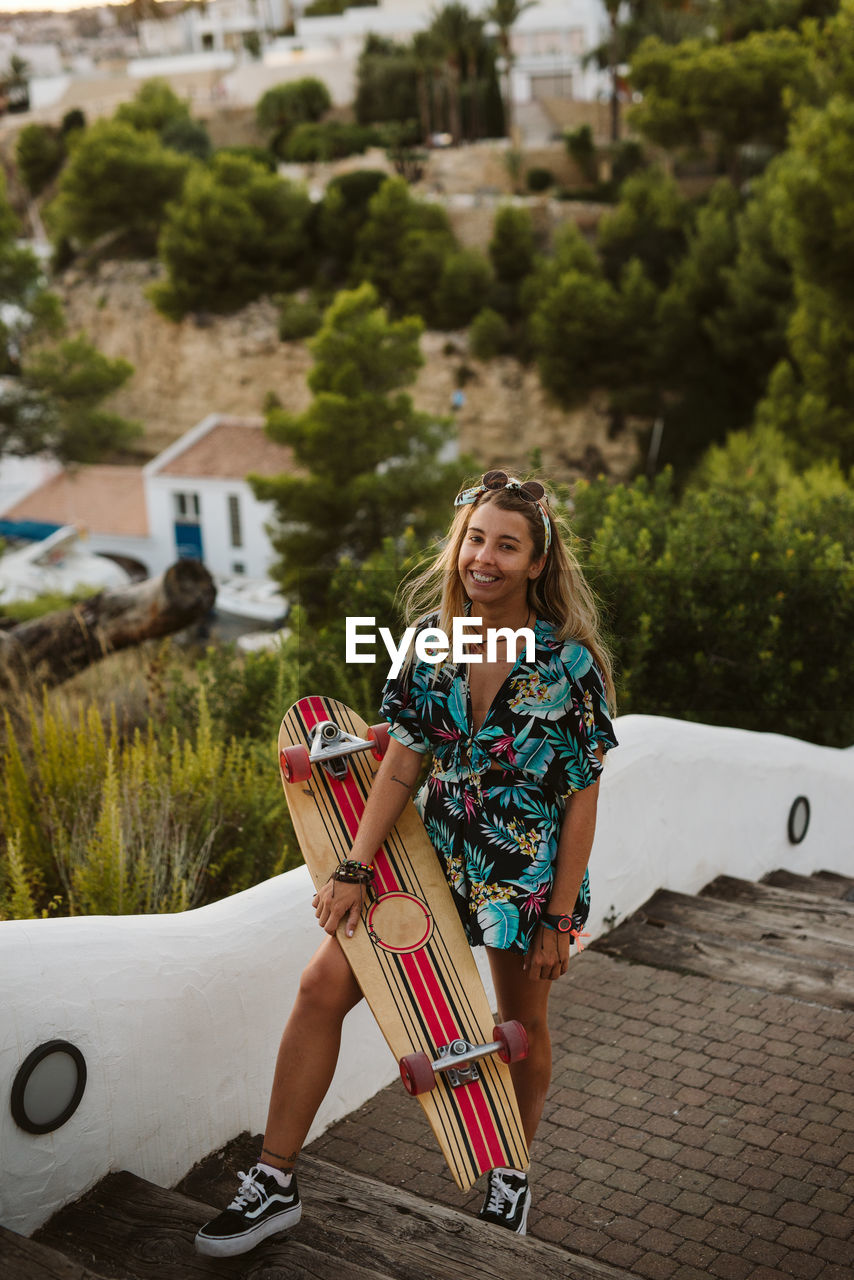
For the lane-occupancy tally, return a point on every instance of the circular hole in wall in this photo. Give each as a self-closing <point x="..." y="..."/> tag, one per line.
<point x="48" y="1087"/>
<point x="799" y="819"/>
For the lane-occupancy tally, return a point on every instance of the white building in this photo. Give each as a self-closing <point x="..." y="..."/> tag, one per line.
<point x="192" y="501"/>
<point x="220" y="26"/>
<point x="550" y="43"/>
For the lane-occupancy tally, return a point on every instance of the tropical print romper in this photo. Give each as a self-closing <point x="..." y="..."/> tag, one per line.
<point x="497" y="832"/>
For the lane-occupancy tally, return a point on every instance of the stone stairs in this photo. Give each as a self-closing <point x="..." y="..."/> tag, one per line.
<point x="790" y="935"/>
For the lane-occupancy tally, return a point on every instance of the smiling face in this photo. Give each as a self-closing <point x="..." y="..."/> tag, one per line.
<point x="496" y="562"/>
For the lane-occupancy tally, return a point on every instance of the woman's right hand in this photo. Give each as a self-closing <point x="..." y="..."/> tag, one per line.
<point x="336" y="901"/>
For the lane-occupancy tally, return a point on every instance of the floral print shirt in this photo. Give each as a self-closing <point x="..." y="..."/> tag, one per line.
<point x="496" y="830"/>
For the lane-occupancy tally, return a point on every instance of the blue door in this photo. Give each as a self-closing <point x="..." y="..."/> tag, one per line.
<point x="188" y="540"/>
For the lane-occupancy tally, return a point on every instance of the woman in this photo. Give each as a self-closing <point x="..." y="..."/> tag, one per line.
<point x="510" y="806"/>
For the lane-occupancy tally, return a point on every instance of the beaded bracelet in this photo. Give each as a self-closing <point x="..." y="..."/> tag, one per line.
<point x="352" y="872"/>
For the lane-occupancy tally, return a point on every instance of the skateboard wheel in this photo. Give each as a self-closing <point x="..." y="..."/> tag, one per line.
<point x="513" y="1040"/>
<point x="416" y="1072"/>
<point x="378" y="735"/>
<point x="295" y="764"/>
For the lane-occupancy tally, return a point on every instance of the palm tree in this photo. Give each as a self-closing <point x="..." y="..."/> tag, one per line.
<point x="450" y="29"/>
<point x="428" y="60"/>
<point x="505" y="14"/>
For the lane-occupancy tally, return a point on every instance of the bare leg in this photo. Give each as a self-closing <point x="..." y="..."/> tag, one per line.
<point x="526" y="1001"/>
<point x="308" y="1052"/>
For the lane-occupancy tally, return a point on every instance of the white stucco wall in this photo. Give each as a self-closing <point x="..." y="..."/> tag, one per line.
<point x="179" y="1016"/>
<point x="256" y="554"/>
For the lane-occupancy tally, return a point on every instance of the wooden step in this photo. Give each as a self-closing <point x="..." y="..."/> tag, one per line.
<point x="23" y="1259"/>
<point x="826" y="884"/>
<point x="353" y="1228"/>
<point x="811" y="906"/>
<point x="773" y="926"/>
<point x="757" y="935"/>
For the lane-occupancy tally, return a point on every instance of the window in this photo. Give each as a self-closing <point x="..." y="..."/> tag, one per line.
<point x="187" y="506"/>
<point x="234" y="520"/>
<point x="237" y="566"/>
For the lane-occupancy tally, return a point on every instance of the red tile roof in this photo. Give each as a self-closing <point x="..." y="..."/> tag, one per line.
<point x="232" y="449"/>
<point x="100" y="499"/>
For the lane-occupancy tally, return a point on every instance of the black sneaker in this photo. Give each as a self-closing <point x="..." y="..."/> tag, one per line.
<point x="508" y="1199"/>
<point x="261" y="1208"/>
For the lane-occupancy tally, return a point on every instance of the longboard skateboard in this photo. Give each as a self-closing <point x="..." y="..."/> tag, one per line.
<point x="410" y="955"/>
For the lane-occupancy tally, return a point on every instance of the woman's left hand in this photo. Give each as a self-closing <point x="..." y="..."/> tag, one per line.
<point x="547" y="957"/>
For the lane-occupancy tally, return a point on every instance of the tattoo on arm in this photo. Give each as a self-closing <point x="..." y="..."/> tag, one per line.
<point x="395" y="778"/>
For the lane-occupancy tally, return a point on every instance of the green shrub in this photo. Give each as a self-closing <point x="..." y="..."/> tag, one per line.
<point x="327" y="140"/>
<point x="258" y="155"/>
<point x="188" y="137"/>
<point x="464" y="286"/>
<point x="490" y="335"/>
<point x="582" y="149"/>
<point x="39" y="155"/>
<point x="298" y="319"/>
<point x="734" y="603"/>
<point x="283" y="107"/>
<point x="93" y="823"/>
<point x="539" y="179"/>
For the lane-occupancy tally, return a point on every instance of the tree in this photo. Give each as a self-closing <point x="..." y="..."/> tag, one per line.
<point x="238" y="232"/>
<point x="39" y="155"/>
<point x="118" y="181"/>
<point x="734" y="92"/>
<point x="450" y="29"/>
<point x="402" y="247"/>
<point x="388" y="83"/>
<point x="649" y="222"/>
<point x="505" y="14"/>
<point x="290" y="104"/>
<point x="811" y="391"/>
<point x="29" y="310"/>
<point x="343" y="212"/>
<point x="56" y="404"/>
<point x="361" y="451"/>
<point x="187" y="136"/>
<point x="465" y="282"/>
<point x="728" y="601"/>
<point x="154" y="106"/>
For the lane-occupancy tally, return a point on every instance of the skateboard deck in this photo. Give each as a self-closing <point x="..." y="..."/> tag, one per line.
<point x="410" y="955"/>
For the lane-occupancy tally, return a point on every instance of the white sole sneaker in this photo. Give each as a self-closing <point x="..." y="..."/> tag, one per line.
<point x="242" y="1241"/>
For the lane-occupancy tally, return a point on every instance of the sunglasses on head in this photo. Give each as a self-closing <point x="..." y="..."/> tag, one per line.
<point x="531" y="490"/>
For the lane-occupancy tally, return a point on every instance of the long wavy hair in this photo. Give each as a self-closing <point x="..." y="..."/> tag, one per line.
<point x="560" y="594"/>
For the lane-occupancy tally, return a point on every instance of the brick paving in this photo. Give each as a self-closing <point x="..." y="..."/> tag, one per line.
<point x="695" y="1128"/>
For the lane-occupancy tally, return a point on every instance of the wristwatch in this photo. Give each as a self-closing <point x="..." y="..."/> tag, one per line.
<point x="562" y="924"/>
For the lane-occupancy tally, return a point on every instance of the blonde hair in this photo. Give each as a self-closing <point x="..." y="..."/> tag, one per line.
<point x="560" y="594"/>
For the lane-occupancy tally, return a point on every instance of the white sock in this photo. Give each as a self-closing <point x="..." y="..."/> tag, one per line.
<point x="283" y="1179"/>
<point x="520" y="1173"/>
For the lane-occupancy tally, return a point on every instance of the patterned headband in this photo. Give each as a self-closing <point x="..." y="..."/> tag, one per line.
<point x="530" y="491"/>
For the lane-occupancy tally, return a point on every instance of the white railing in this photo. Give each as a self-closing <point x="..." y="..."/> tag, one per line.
<point x="179" y="1017"/>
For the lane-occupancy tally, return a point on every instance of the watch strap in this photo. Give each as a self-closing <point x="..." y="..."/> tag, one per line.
<point x="559" y="923"/>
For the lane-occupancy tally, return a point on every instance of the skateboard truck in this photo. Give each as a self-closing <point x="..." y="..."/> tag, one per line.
<point x="457" y="1059"/>
<point x="329" y="745"/>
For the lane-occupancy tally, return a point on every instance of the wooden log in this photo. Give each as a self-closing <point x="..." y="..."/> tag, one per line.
<point x="23" y="1259"/>
<point x="51" y="649"/>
